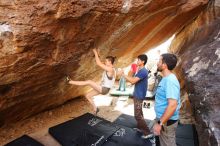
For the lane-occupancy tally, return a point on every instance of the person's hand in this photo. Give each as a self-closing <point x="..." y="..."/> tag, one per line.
<point x="68" y="79"/>
<point x="156" y="129"/>
<point x="94" y="51"/>
<point x="120" y="72"/>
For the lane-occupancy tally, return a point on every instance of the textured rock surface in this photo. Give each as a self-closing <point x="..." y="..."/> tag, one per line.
<point x="42" y="41"/>
<point x="199" y="46"/>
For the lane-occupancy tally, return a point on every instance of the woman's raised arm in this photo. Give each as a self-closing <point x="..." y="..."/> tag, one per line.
<point x="99" y="63"/>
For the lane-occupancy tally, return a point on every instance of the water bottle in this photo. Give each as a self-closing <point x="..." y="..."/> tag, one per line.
<point x="122" y="84"/>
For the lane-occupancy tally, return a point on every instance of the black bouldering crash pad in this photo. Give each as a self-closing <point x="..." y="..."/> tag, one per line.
<point x="128" y="137"/>
<point x="128" y="121"/>
<point x="83" y="131"/>
<point x="24" y="141"/>
<point x="186" y="134"/>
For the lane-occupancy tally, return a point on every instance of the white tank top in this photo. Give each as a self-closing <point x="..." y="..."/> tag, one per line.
<point x="106" y="81"/>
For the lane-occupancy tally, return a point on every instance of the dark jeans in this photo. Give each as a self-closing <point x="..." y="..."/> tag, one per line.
<point x="138" y="113"/>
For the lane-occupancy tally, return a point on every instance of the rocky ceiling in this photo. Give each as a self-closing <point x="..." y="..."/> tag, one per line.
<point x="43" y="41"/>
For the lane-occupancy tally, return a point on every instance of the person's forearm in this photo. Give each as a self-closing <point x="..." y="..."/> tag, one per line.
<point x="129" y="79"/>
<point x="97" y="58"/>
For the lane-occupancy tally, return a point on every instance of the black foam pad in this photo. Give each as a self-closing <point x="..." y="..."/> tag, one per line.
<point x="24" y="141"/>
<point x="186" y="135"/>
<point x="83" y="131"/>
<point x="127" y="121"/>
<point x="127" y="137"/>
<point x="184" y="142"/>
<point x="185" y="131"/>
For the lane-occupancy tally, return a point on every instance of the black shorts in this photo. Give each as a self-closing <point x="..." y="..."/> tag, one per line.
<point x="105" y="90"/>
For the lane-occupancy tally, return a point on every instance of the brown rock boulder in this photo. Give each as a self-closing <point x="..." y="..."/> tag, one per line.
<point x="199" y="47"/>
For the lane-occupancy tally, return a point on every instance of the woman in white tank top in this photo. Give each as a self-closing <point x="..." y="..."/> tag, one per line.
<point x="108" y="79"/>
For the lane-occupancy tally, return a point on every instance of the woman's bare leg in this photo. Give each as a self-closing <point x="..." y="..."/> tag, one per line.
<point x="90" y="83"/>
<point x="89" y="98"/>
<point x="79" y="83"/>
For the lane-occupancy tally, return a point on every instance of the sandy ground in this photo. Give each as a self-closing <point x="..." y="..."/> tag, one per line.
<point x="110" y="108"/>
<point x="37" y="126"/>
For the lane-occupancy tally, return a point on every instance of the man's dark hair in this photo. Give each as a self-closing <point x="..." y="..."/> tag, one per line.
<point x="170" y="60"/>
<point x="111" y="58"/>
<point x="143" y="57"/>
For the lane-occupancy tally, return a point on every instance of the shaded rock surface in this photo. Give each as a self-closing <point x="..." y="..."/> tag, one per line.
<point x="199" y="49"/>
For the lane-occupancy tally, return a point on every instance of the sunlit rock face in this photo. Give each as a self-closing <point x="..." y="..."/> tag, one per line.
<point x="199" y="47"/>
<point x="42" y="41"/>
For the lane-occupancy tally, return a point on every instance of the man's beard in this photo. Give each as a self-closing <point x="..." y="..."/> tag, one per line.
<point x="159" y="70"/>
